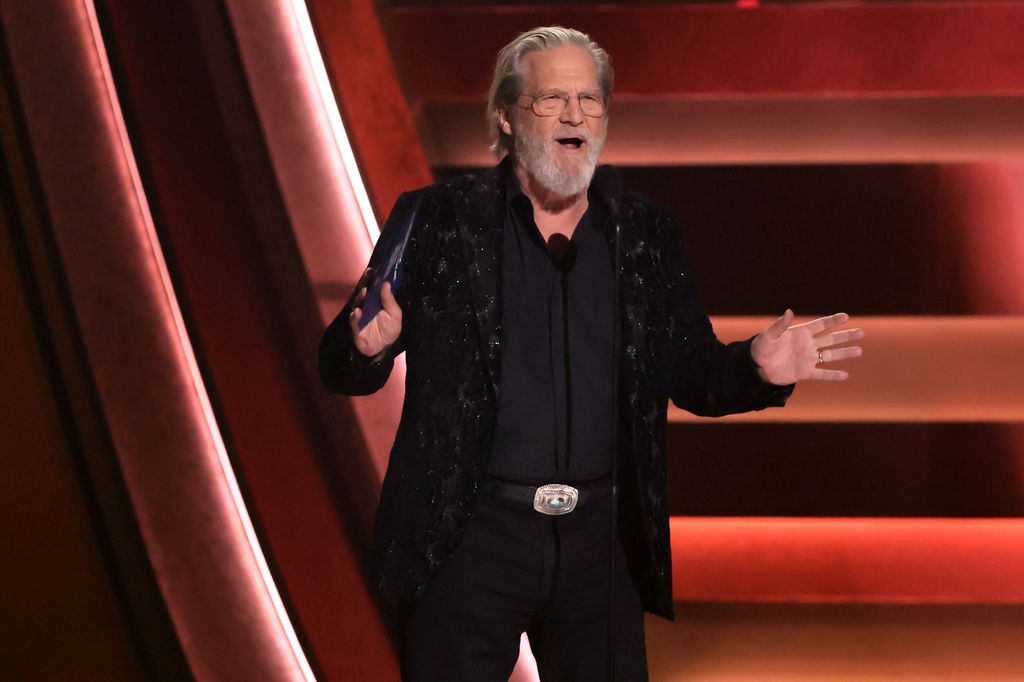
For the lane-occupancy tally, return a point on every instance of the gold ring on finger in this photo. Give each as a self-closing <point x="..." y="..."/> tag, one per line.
<point x="820" y="359"/>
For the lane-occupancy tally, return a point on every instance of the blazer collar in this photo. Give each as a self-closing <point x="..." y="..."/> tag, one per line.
<point x="481" y="221"/>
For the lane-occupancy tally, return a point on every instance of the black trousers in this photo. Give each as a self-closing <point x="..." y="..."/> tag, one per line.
<point x="520" y="571"/>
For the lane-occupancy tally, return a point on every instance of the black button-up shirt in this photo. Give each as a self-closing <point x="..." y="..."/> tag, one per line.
<point x="555" y="407"/>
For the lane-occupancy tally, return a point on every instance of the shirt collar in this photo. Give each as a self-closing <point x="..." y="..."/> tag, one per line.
<point x="512" y="188"/>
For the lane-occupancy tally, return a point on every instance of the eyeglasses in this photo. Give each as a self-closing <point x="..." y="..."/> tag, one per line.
<point x="554" y="103"/>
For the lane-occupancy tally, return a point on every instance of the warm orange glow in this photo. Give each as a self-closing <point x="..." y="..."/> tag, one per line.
<point x="315" y="164"/>
<point x="236" y="515"/>
<point x="914" y="369"/>
<point x="655" y="130"/>
<point x="984" y="205"/>
<point x="330" y="109"/>
<point x="848" y="560"/>
<point x="199" y="539"/>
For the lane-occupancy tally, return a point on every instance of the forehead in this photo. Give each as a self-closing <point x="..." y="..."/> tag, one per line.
<point x="564" y="68"/>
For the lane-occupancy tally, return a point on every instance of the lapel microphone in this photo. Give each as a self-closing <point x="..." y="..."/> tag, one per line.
<point x="562" y="251"/>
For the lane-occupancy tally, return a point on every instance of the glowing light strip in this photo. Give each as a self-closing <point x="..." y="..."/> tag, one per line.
<point x="186" y="347"/>
<point x="847" y="559"/>
<point x="330" y="108"/>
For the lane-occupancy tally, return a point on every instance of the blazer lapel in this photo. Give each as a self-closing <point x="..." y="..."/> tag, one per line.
<point x="631" y="300"/>
<point x="481" y="219"/>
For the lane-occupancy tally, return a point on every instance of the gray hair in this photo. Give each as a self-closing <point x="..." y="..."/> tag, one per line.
<point x="508" y="74"/>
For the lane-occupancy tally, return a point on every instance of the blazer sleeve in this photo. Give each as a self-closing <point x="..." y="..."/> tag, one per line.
<point x="708" y="378"/>
<point x="343" y="369"/>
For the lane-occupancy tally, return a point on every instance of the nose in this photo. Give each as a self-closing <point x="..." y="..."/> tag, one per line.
<point x="573" y="112"/>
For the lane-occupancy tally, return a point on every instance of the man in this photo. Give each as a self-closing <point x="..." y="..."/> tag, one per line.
<point x="522" y="344"/>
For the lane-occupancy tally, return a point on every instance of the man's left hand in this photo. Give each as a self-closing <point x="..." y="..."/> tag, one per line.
<point x="786" y="354"/>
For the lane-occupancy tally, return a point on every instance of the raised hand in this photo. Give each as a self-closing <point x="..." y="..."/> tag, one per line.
<point x="382" y="330"/>
<point x="785" y="354"/>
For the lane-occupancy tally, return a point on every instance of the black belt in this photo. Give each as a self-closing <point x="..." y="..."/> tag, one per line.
<point x="553" y="499"/>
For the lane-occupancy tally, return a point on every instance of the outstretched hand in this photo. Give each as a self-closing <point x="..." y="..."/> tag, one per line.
<point x="785" y="354"/>
<point x="382" y="330"/>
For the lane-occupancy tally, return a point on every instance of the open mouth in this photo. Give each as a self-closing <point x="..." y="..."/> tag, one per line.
<point x="570" y="142"/>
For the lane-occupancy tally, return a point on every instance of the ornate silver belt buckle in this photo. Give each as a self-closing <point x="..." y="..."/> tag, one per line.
<point x="555" y="499"/>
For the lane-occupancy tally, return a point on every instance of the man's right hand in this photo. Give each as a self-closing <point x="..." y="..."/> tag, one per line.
<point x="382" y="330"/>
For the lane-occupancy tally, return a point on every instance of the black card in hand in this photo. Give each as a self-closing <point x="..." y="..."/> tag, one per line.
<point x="390" y="252"/>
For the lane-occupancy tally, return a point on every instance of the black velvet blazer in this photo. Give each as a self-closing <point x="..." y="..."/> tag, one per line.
<point x="451" y="334"/>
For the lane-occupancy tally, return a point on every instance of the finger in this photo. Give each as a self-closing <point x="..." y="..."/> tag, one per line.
<point x="360" y="297"/>
<point x="387" y="299"/>
<point x="353" y="321"/>
<point x="779" y="326"/>
<point x="837" y="338"/>
<point x="364" y="279"/>
<point x="838" y="354"/>
<point x="822" y="323"/>
<point x="829" y="375"/>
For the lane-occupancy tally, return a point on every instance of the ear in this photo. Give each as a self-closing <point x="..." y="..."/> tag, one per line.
<point x="501" y="111"/>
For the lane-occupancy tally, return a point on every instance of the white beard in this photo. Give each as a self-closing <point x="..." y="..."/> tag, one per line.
<point x="532" y="151"/>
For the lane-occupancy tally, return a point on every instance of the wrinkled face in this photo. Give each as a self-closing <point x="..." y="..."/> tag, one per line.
<point x="558" y="151"/>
